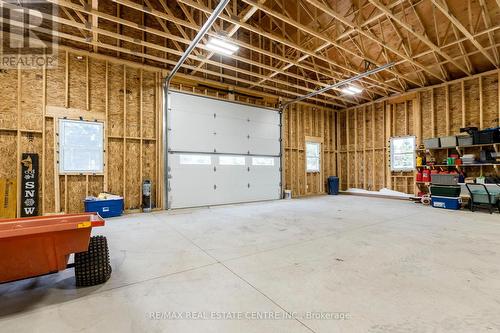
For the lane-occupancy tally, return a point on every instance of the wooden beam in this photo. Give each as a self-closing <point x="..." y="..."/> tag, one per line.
<point x="325" y="39"/>
<point x="95" y="23"/>
<point x="464" y="30"/>
<point x="419" y="36"/>
<point x="270" y="36"/>
<point x="175" y="38"/>
<point x="243" y="17"/>
<point x="328" y="10"/>
<point x="481" y="109"/>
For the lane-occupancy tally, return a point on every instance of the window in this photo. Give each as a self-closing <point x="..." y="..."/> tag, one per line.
<point x="81" y="146"/>
<point x="403" y="153"/>
<point x="263" y="161"/>
<point x="313" y="156"/>
<point x="195" y="159"/>
<point x="232" y="160"/>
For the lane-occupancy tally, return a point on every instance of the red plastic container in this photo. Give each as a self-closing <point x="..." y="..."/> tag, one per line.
<point x="40" y="245"/>
<point x="426" y="176"/>
<point x="419" y="176"/>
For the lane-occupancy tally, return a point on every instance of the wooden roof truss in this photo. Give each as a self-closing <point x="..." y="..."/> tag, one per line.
<point x="291" y="48"/>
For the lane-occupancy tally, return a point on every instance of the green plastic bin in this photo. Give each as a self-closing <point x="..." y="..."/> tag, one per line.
<point x="446" y="191"/>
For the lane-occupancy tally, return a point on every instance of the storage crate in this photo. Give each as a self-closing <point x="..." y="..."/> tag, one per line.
<point x="432" y="143"/>
<point x="105" y="208"/>
<point x="448" y="141"/>
<point x="446" y="202"/>
<point x="438" y="179"/>
<point x="490" y="135"/>
<point x="445" y="191"/>
<point x="465" y="140"/>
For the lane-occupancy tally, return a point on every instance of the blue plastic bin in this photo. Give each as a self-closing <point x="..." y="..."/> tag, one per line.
<point x="333" y="185"/>
<point x="446" y="202"/>
<point x="105" y="208"/>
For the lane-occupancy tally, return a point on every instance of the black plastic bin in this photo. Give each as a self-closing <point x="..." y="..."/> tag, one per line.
<point x="487" y="136"/>
<point x="333" y="185"/>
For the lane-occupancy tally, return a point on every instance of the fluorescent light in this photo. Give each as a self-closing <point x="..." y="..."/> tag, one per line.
<point x="355" y="89"/>
<point x="351" y="90"/>
<point x="219" y="49"/>
<point x="221" y="46"/>
<point x="348" y="92"/>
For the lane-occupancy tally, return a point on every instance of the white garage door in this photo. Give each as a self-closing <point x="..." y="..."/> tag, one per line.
<point x="221" y="152"/>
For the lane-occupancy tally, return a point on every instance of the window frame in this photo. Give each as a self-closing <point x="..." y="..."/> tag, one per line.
<point x="228" y="160"/>
<point x="62" y="147"/>
<point x="258" y="161"/>
<point x="315" y="141"/>
<point x="189" y="159"/>
<point x="411" y="152"/>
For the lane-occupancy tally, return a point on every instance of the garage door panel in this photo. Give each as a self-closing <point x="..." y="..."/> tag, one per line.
<point x="256" y="193"/>
<point x="191" y="132"/>
<point x="225" y="133"/>
<point x="232" y="144"/>
<point x="264" y="130"/>
<point x="231" y="183"/>
<point x="258" y="146"/>
<point x="231" y="135"/>
<point x="256" y="115"/>
<point x="193" y="185"/>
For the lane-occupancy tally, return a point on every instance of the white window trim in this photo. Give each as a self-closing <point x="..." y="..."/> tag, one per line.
<point x="412" y="152"/>
<point x="318" y="157"/>
<point x="61" y="150"/>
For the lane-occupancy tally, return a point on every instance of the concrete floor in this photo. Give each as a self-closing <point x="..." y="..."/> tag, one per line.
<point x="381" y="265"/>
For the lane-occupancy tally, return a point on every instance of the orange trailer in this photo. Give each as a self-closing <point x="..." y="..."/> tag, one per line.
<point x="37" y="246"/>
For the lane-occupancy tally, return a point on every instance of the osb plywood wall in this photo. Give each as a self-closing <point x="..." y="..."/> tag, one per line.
<point x="300" y="123"/>
<point x="127" y="97"/>
<point x="363" y="154"/>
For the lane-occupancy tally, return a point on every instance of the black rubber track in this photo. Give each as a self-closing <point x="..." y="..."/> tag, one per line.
<point x="92" y="267"/>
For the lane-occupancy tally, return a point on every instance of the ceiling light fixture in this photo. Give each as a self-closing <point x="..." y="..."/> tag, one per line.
<point x="351" y="90"/>
<point x="221" y="46"/>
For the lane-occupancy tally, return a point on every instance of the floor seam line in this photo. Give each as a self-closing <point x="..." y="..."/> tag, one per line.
<point x="117" y="288"/>
<point x="242" y="279"/>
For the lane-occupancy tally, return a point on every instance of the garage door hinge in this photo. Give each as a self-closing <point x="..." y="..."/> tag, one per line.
<point x="215" y="187"/>
<point x="215" y="169"/>
<point x="248" y="169"/>
<point x="248" y="185"/>
<point x="215" y="115"/>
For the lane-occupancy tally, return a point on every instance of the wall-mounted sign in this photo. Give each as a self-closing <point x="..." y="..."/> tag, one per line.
<point x="29" y="185"/>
